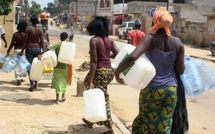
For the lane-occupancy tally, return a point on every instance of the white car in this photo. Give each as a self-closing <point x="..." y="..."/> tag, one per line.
<point x="124" y="28"/>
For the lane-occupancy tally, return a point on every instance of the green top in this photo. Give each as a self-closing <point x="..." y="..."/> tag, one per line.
<point x="56" y="48"/>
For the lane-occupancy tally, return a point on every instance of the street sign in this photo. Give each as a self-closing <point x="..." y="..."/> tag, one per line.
<point x="151" y="12"/>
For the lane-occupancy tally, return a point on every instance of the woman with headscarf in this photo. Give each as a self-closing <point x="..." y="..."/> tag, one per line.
<point x="32" y="45"/>
<point x="101" y="73"/>
<point x="158" y="100"/>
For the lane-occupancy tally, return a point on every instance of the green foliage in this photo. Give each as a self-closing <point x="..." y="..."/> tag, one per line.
<point x="5" y="7"/>
<point x="35" y="8"/>
<point x="56" y="10"/>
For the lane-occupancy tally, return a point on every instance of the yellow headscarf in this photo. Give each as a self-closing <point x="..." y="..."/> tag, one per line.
<point x="162" y="19"/>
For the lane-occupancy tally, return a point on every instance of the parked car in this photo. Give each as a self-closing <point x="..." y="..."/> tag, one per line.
<point x="124" y="28"/>
<point x="212" y="45"/>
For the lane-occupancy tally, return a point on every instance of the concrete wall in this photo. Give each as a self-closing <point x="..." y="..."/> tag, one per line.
<point x="9" y="28"/>
<point x="206" y="5"/>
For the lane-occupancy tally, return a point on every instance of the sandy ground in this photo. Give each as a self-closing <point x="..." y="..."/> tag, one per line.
<point x="39" y="115"/>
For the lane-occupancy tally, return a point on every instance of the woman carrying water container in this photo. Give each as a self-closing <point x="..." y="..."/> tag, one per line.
<point x="32" y="45"/>
<point x="60" y="75"/>
<point x="17" y="42"/>
<point x="158" y="100"/>
<point x="101" y="73"/>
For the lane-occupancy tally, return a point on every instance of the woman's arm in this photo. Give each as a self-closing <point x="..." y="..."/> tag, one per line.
<point x="93" y="60"/>
<point x="114" y="49"/>
<point x="25" y="41"/>
<point x="11" y="44"/>
<point x="41" y="40"/>
<point x="142" y="47"/>
<point x="179" y="65"/>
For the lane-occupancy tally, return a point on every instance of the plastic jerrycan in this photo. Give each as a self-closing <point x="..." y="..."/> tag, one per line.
<point x="22" y="66"/>
<point x="36" y="69"/>
<point x="6" y="60"/>
<point x="2" y="57"/>
<point x="191" y="78"/>
<point x="140" y="73"/>
<point x="11" y="64"/>
<point x="206" y="74"/>
<point x="49" y="59"/>
<point x="67" y="52"/>
<point x="94" y="105"/>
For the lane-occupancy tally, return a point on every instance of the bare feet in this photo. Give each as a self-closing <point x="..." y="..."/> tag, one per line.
<point x="88" y="123"/>
<point x="128" y="125"/>
<point x="63" y="99"/>
<point x="109" y="132"/>
<point x="56" y="101"/>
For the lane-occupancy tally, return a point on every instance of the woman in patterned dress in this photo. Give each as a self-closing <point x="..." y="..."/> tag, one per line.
<point x="158" y="100"/>
<point x="101" y="73"/>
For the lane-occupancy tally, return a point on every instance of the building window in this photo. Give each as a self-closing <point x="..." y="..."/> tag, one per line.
<point x="101" y="4"/>
<point x="108" y="3"/>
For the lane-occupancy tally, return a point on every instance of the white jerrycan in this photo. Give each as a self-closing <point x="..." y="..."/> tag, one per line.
<point x="67" y="52"/>
<point x="94" y="105"/>
<point x="36" y="69"/>
<point x="140" y="73"/>
<point x="49" y="59"/>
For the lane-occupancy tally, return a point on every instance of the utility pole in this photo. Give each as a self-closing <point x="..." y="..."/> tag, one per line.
<point x="123" y="10"/>
<point x="26" y="13"/>
<point x="167" y="5"/>
<point x="96" y="3"/>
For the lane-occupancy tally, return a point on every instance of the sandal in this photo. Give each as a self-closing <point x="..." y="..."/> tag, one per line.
<point x="31" y="89"/>
<point x="88" y="123"/>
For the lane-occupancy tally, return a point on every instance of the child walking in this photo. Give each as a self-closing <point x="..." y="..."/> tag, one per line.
<point x="59" y="80"/>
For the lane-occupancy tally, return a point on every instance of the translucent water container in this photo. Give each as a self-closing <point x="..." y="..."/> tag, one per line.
<point x="49" y="59"/>
<point x="1" y="58"/>
<point x="67" y="52"/>
<point x="6" y="60"/>
<point x="20" y="70"/>
<point x="191" y="78"/>
<point x="11" y="64"/>
<point x="140" y="73"/>
<point x="36" y="69"/>
<point x="24" y="63"/>
<point x="206" y="74"/>
<point x="94" y="105"/>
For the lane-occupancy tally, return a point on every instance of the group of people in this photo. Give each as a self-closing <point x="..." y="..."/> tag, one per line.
<point x="32" y="41"/>
<point x="157" y="102"/>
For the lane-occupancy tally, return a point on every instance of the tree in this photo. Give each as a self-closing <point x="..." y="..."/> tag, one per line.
<point x="35" y="8"/>
<point x="5" y="7"/>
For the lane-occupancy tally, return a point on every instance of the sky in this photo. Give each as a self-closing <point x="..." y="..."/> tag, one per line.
<point x="43" y="3"/>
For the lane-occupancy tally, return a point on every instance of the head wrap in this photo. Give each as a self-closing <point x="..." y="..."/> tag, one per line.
<point x="161" y="19"/>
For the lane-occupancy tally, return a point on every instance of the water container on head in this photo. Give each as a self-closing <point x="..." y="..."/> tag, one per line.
<point x="67" y="52"/>
<point x="206" y="74"/>
<point x="36" y="69"/>
<point x="11" y="64"/>
<point x="191" y="78"/>
<point x="49" y="59"/>
<point x="140" y="73"/>
<point x="94" y="105"/>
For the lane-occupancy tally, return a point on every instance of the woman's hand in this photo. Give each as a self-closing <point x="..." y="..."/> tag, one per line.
<point x="91" y="85"/>
<point x="39" y="57"/>
<point x="118" y="79"/>
<point x="21" y="53"/>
